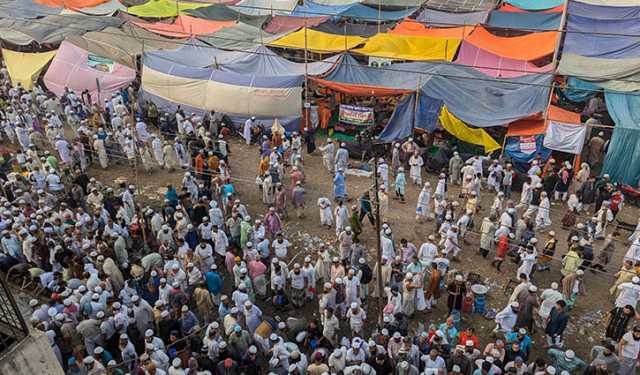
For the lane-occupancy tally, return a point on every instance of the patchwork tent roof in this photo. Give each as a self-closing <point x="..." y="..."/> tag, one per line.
<point x="317" y="41"/>
<point x="52" y="29"/>
<point x="185" y="27"/>
<point x="122" y="45"/>
<point x="408" y="47"/>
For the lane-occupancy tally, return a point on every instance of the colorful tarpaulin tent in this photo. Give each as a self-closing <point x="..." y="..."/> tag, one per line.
<point x="408" y="47"/>
<point x="510" y="8"/>
<point x="354" y="11"/>
<point x="265" y="7"/>
<point x="52" y="29"/>
<point x="163" y="8"/>
<point x="24" y="68"/>
<point x="73" y="4"/>
<point x="104" y="9"/>
<point x="602" y="38"/>
<point x="241" y="37"/>
<point x="21" y="9"/>
<point x="185" y="27"/>
<point x="530" y="21"/>
<point x="360" y="80"/>
<point x="494" y="65"/>
<point x="535" y="4"/>
<point x="393" y="3"/>
<point x="438" y="18"/>
<point x="618" y="74"/>
<point x="122" y="45"/>
<point x="482" y="101"/>
<point x="623" y="158"/>
<point x="410" y="27"/>
<point x="408" y="114"/>
<point x="526" y="47"/>
<point x="538" y="125"/>
<point x="264" y="62"/>
<point x="280" y="24"/>
<point x="317" y="41"/>
<point x="460" y="130"/>
<point x="79" y="70"/>
<point x="193" y="53"/>
<point x="231" y="93"/>
<point x="364" y="30"/>
<point x="461" y="6"/>
<point x="222" y="12"/>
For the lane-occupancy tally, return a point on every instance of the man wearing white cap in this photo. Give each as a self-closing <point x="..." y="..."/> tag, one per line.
<point x="566" y="361"/>
<point x="142" y="313"/>
<point x="506" y="318"/>
<point x="629" y="293"/>
<point x="549" y="298"/>
<point x="356" y="316"/>
<point x="328" y="151"/>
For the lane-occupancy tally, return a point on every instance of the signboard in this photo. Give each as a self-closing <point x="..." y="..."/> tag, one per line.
<point x="528" y="144"/>
<point x="100" y="63"/>
<point x="379" y="62"/>
<point x="350" y="114"/>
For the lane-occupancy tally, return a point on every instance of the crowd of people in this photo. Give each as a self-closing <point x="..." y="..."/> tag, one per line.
<point x="198" y="284"/>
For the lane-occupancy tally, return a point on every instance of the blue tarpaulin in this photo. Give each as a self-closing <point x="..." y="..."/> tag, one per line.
<point x="603" y="12"/>
<point x="513" y="148"/>
<point x="535" y="4"/>
<point x="578" y="90"/>
<point x="623" y="158"/>
<point x="402" y="76"/>
<point x="402" y="120"/>
<point x="604" y="38"/>
<point x="525" y="21"/>
<point x="355" y="11"/>
<point x="483" y="101"/>
<point x="445" y="19"/>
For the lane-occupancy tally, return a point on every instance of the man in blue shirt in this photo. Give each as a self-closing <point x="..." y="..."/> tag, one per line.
<point x="214" y="283"/>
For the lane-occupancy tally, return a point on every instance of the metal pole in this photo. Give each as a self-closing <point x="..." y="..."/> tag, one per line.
<point x="141" y="217"/>
<point x="378" y="241"/>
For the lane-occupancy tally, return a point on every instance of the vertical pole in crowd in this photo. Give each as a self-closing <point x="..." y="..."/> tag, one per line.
<point x="378" y="243"/>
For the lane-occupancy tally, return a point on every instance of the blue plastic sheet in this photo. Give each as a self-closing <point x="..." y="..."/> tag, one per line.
<point x="603" y="12"/>
<point x="400" y="124"/>
<point x="512" y="148"/>
<point x="446" y="19"/>
<point x="525" y="21"/>
<point x="623" y="158"/>
<point x="604" y="38"/>
<point x="402" y="76"/>
<point x="354" y="11"/>
<point x="406" y="115"/>
<point x="483" y="101"/>
<point x="535" y="4"/>
<point x="579" y="91"/>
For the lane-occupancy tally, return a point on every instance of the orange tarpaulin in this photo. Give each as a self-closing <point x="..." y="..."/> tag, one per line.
<point x="185" y="26"/>
<point x="526" y="47"/>
<point x="535" y="126"/>
<point x="409" y="27"/>
<point x="511" y="8"/>
<point x="72" y="4"/>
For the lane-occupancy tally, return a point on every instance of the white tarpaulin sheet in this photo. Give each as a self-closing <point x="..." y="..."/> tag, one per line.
<point x="561" y="136"/>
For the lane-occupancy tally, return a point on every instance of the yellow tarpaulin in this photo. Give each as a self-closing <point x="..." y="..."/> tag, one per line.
<point x="24" y="68"/>
<point x="163" y="8"/>
<point x="317" y="41"/>
<point x="460" y="130"/>
<point x="409" y="47"/>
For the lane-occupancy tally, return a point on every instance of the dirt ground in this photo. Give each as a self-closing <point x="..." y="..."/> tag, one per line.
<point x="585" y="327"/>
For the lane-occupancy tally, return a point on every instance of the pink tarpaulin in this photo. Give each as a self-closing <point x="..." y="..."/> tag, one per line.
<point x="185" y="27"/>
<point x="494" y="65"/>
<point x="76" y="69"/>
<point x="282" y="24"/>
